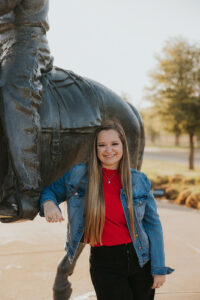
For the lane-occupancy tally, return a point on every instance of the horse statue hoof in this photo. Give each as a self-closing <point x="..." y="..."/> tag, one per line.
<point x="63" y="294"/>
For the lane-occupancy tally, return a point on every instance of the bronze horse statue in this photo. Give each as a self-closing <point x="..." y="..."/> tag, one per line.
<point x="47" y="115"/>
<point x="72" y="108"/>
<point x="47" y="118"/>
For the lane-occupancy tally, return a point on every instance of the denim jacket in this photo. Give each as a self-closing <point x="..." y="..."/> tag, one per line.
<point x="148" y="243"/>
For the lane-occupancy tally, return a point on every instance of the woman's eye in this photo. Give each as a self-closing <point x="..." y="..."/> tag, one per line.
<point x="115" y="144"/>
<point x="101" y="145"/>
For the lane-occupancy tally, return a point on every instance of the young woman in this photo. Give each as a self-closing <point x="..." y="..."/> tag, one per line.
<point x="113" y="210"/>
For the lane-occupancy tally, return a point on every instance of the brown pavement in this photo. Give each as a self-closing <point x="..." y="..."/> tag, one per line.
<point x="30" y="251"/>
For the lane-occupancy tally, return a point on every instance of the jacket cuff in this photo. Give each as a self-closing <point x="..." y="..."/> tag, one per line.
<point x="161" y="270"/>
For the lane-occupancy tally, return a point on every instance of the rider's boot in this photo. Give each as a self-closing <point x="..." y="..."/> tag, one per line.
<point x="22" y="185"/>
<point x="16" y="204"/>
<point x="8" y="205"/>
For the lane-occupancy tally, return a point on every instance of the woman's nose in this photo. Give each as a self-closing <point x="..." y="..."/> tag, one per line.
<point x="108" y="149"/>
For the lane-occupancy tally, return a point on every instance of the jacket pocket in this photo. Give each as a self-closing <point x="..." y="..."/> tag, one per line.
<point x="75" y="196"/>
<point x="139" y="204"/>
<point x="75" y="209"/>
<point x="75" y="200"/>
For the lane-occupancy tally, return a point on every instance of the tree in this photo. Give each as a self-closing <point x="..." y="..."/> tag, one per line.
<point x="152" y="124"/>
<point x="175" y="89"/>
<point x="125" y="96"/>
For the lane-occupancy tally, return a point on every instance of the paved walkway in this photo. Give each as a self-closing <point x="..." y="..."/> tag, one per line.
<point x="30" y="251"/>
<point x="179" y="155"/>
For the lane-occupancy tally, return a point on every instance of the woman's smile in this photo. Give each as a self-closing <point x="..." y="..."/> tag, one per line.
<point x="109" y="149"/>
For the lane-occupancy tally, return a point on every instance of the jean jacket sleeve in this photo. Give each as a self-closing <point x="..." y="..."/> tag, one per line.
<point x="153" y="228"/>
<point x="56" y="192"/>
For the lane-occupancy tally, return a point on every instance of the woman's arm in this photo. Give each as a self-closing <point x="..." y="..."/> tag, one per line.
<point x="8" y="5"/>
<point x="58" y="191"/>
<point x="50" y="198"/>
<point x="153" y="228"/>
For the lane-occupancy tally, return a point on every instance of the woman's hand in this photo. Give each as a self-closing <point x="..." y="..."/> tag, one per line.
<point x="52" y="213"/>
<point x="158" y="281"/>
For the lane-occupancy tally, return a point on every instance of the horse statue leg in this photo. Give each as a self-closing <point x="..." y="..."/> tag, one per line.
<point x="62" y="287"/>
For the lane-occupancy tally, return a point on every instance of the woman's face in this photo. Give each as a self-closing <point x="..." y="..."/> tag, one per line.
<point x="109" y="149"/>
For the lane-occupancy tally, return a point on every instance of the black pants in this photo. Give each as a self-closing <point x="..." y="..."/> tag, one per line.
<point x="116" y="274"/>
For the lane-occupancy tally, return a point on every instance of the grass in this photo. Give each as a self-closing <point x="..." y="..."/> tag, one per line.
<point x="171" y="147"/>
<point x="153" y="168"/>
<point x="166" y="175"/>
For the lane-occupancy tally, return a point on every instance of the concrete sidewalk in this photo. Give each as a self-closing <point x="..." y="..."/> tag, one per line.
<point x="30" y="251"/>
<point x="178" y="155"/>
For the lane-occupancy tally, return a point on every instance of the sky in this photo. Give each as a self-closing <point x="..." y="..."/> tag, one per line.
<point x="115" y="41"/>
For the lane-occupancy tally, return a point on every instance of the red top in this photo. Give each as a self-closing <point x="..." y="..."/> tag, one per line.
<point x="115" y="230"/>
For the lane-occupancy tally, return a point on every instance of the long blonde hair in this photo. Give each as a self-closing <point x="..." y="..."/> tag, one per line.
<point x="95" y="205"/>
